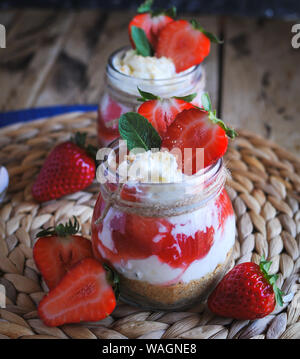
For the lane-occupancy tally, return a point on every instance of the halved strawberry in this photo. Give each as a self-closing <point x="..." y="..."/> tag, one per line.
<point x="197" y="128"/>
<point x="185" y="42"/>
<point x="84" y="294"/>
<point x="151" y="22"/>
<point x="161" y="112"/>
<point x="58" y="250"/>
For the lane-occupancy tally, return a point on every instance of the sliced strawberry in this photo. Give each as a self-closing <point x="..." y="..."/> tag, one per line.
<point x="152" y="22"/>
<point x="195" y="129"/>
<point x="84" y="294"/>
<point x="161" y="112"/>
<point x="186" y="43"/>
<point x="58" y="250"/>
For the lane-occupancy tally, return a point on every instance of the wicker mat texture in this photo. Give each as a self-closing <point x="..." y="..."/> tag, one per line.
<point x="265" y="192"/>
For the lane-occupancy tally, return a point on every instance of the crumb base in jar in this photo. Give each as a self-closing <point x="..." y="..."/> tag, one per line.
<point x="172" y="297"/>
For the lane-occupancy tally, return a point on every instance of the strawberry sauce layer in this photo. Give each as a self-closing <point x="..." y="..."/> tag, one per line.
<point x="122" y="237"/>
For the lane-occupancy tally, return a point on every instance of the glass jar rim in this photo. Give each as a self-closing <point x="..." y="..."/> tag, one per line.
<point x="163" y="199"/>
<point x="210" y="172"/>
<point x="111" y="67"/>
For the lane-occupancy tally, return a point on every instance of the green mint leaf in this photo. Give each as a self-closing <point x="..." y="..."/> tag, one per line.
<point x="206" y="103"/>
<point x="188" y="98"/>
<point x="138" y="132"/>
<point x="211" y="36"/>
<point x="141" y="42"/>
<point x="145" y="96"/>
<point x="145" y="7"/>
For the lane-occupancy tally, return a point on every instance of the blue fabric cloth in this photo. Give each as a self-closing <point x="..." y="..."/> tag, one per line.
<point x="12" y="117"/>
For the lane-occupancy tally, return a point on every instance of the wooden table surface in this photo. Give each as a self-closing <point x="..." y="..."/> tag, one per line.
<point x="58" y="57"/>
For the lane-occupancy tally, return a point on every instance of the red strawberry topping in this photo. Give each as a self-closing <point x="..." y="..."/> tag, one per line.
<point x="152" y="22"/>
<point x="195" y="129"/>
<point x="186" y="43"/>
<point x="161" y="112"/>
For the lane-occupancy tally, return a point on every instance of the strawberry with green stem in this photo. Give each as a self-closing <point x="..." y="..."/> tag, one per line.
<point x="70" y="167"/>
<point x="146" y="25"/>
<point x="248" y="291"/>
<point x="161" y="112"/>
<point x="58" y="249"/>
<point x="198" y="128"/>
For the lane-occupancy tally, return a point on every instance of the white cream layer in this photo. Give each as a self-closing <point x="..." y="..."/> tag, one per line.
<point x="141" y="67"/>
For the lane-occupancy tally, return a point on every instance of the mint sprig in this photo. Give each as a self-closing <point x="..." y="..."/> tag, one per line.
<point x="210" y="35"/>
<point x="141" y="42"/>
<point x="138" y="132"/>
<point x="271" y="278"/>
<point x="212" y="115"/>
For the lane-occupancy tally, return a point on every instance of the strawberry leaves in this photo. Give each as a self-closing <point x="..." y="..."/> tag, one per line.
<point x="138" y="132"/>
<point x="187" y="98"/>
<point x="62" y="230"/>
<point x="271" y="278"/>
<point x="212" y="114"/>
<point x="142" y="45"/>
<point x="146" y="7"/>
<point x="145" y="96"/>
<point x="211" y="36"/>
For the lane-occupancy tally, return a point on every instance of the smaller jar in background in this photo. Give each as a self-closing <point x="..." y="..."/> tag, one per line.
<point x="121" y="92"/>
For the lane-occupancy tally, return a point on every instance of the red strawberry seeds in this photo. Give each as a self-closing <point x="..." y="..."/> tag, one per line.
<point x="246" y="292"/>
<point x="68" y="169"/>
<point x="161" y="112"/>
<point x="186" y="45"/>
<point x="84" y="294"/>
<point x="58" y="250"/>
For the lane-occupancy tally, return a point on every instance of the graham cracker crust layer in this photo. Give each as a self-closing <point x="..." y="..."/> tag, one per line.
<point x="174" y="296"/>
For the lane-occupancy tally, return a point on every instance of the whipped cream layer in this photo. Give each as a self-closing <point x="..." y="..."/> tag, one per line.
<point x="141" y="67"/>
<point x="150" y="167"/>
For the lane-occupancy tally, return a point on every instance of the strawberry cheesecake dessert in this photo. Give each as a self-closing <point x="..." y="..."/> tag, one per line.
<point x="163" y="220"/>
<point x="165" y="58"/>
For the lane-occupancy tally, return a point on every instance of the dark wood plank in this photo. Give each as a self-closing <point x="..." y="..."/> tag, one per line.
<point x="68" y="77"/>
<point x="261" y="80"/>
<point x="36" y="40"/>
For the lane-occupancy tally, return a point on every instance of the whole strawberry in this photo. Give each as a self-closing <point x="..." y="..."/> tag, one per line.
<point x="68" y="169"/>
<point x="246" y="292"/>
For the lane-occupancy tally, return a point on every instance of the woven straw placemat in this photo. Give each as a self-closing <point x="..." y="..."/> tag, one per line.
<point x="265" y="192"/>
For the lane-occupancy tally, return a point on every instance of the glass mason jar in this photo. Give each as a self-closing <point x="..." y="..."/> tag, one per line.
<point x="169" y="242"/>
<point x="121" y="92"/>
